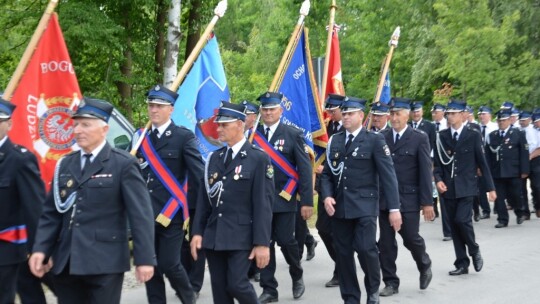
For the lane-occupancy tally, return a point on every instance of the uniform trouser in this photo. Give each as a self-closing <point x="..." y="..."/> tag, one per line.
<point x="195" y="269"/>
<point x="88" y="289"/>
<point x="228" y="275"/>
<point x="460" y="215"/>
<point x="29" y="287"/>
<point x="509" y="189"/>
<point x="324" y="227"/>
<point x="283" y="225"/>
<point x="525" y="197"/>
<point x="356" y="235"/>
<point x="388" y="248"/>
<point x="8" y="282"/>
<point x="302" y="234"/>
<point x="446" y="225"/>
<point x="535" y="182"/>
<point x="168" y="244"/>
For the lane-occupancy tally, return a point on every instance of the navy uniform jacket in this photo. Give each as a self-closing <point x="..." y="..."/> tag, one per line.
<point x="22" y="194"/>
<point x="177" y="148"/>
<point x="513" y="154"/>
<point x="469" y="155"/>
<point x="109" y="193"/>
<point x="294" y="149"/>
<point x="357" y="194"/>
<point x="475" y="126"/>
<point x="429" y="128"/>
<point x="241" y="217"/>
<point x="412" y="163"/>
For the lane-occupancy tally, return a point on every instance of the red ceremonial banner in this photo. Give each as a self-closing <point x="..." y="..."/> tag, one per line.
<point x="46" y="96"/>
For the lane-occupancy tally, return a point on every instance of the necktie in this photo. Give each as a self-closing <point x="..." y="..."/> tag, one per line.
<point x="349" y="141"/>
<point x="438" y="124"/>
<point x="455" y="136"/>
<point x="483" y="132"/>
<point x="502" y="134"/>
<point x="228" y="156"/>
<point x="155" y="135"/>
<point x="267" y="133"/>
<point x="87" y="161"/>
<point x="415" y="125"/>
<point x="397" y="138"/>
<point x="336" y="126"/>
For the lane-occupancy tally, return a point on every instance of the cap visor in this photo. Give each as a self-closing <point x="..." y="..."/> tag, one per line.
<point x="158" y="101"/>
<point x="271" y="106"/>
<point x="224" y="119"/>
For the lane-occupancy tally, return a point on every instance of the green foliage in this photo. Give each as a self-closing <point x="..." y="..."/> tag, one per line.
<point x="487" y="49"/>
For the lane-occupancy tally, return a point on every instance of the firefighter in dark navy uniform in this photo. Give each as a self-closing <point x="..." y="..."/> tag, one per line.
<point x="234" y="215"/>
<point x="410" y="151"/>
<point x="508" y="156"/>
<point x="323" y="224"/>
<point x="287" y="145"/>
<point x="83" y="227"/>
<point x="357" y="161"/>
<point x="23" y="193"/>
<point x="458" y="155"/>
<point x="169" y="159"/>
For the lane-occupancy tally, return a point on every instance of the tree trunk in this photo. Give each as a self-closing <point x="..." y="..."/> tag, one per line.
<point x="160" y="43"/>
<point x="173" y="40"/>
<point x="193" y="27"/>
<point x="126" y="69"/>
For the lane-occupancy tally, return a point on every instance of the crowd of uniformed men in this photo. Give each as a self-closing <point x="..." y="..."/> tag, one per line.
<point x="384" y="171"/>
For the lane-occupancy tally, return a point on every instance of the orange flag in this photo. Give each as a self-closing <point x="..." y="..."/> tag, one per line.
<point x="46" y="96"/>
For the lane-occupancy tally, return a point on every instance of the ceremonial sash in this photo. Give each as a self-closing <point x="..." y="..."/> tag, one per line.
<point x="14" y="234"/>
<point x="178" y="192"/>
<point x="282" y="163"/>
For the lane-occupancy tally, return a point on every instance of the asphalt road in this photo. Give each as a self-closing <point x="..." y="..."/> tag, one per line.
<point x="510" y="274"/>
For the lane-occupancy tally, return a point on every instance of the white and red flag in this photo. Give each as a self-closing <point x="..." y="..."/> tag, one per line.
<point x="46" y="96"/>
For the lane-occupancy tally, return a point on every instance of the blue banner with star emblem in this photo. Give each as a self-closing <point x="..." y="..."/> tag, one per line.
<point x="385" y="94"/>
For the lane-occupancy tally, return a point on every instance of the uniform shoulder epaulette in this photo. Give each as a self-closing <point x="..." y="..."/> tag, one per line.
<point x="338" y="132"/>
<point x="121" y="152"/>
<point x="20" y="149"/>
<point x="419" y="131"/>
<point x="255" y="147"/>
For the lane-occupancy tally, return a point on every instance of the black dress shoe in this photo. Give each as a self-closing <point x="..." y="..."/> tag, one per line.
<point x="268" y="298"/>
<point x="257" y="277"/>
<point x="447" y="238"/>
<point x="459" y="271"/>
<point x="298" y="288"/>
<point x="373" y="298"/>
<point x="484" y="216"/>
<point x="501" y="225"/>
<point x="425" y="278"/>
<point x="520" y="220"/>
<point x="389" y="290"/>
<point x="527" y="217"/>
<point x="476" y="218"/>
<point x="477" y="261"/>
<point x="332" y="283"/>
<point x="311" y="251"/>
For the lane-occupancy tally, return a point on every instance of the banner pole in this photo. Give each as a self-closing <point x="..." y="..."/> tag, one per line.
<point x="30" y="49"/>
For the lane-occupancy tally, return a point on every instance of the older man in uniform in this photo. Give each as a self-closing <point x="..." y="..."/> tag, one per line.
<point x="169" y="156"/>
<point x="234" y="214"/>
<point x="410" y="151"/>
<point x="379" y="115"/>
<point x="22" y="192"/>
<point x="286" y="146"/>
<point x="458" y="155"/>
<point x="486" y="126"/>
<point x="508" y="156"/>
<point x="357" y="161"/>
<point x="525" y="122"/>
<point x="252" y="110"/>
<point x="535" y="165"/>
<point x="419" y="123"/>
<point x="323" y="224"/>
<point x="83" y="227"/>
